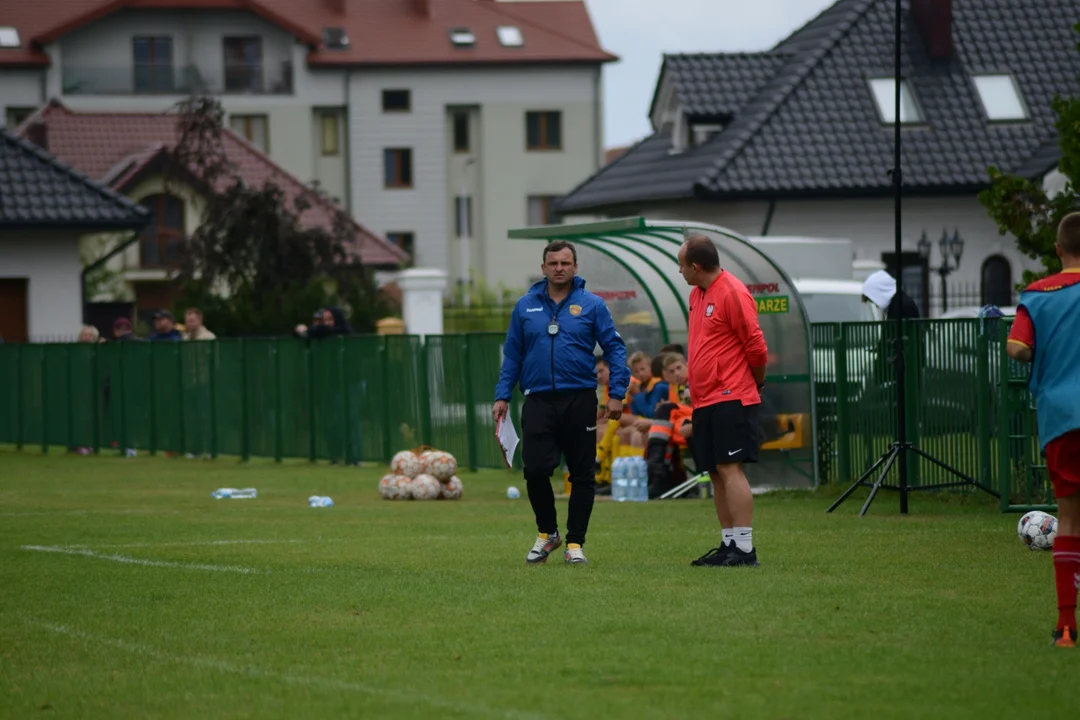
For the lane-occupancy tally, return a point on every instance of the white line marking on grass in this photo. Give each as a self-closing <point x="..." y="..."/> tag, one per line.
<point x="196" y="543"/>
<point x="409" y="697"/>
<point x="139" y="561"/>
<point x="39" y="513"/>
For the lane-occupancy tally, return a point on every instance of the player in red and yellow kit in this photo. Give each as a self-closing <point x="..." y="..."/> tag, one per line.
<point x="1046" y="334"/>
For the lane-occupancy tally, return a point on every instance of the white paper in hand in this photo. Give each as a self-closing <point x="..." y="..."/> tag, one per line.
<point x="508" y="439"/>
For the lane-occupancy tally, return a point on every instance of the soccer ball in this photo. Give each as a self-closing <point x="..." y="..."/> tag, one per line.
<point x="441" y="465"/>
<point x="425" y="487"/>
<point x="452" y="489"/>
<point x="395" y="487"/>
<point x="1038" y="530"/>
<point x="406" y="463"/>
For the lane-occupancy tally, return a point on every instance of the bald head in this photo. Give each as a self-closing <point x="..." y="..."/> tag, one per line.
<point x="700" y="251"/>
<point x="699" y="262"/>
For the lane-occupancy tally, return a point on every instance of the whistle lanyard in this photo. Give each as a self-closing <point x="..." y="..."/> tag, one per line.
<point x="553" y="325"/>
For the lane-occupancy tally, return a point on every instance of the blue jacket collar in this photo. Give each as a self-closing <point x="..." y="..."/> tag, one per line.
<point x="540" y="288"/>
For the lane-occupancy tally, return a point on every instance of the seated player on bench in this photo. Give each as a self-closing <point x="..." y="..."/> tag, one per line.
<point x="670" y="429"/>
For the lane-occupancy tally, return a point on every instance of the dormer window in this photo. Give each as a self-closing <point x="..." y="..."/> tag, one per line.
<point x="701" y="133"/>
<point x="510" y="36"/>
<point x="1000" y="97"/>
<point x="680" y="133"/>
<point x="9" y="37"/>
<point x="335" y="38"/>
<point x="884" y="91"/>
<point x="462" y="37"/>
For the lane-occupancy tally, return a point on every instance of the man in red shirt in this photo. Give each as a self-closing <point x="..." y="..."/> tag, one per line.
<point x="727" y="371"/>
<point x="1045" y="334"/>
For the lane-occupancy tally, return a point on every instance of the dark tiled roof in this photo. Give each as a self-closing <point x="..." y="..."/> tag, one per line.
<point x="38" y="191"/>
<point x="715" y="86"/>
<point x="813" y="127"/>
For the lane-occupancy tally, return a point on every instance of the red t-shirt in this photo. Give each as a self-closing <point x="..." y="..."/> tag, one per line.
<point x="1023" y="330"/>
<point x="725" y="342"/>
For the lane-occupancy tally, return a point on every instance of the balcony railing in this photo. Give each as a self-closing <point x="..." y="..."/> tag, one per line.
<point x="144" y="79"/>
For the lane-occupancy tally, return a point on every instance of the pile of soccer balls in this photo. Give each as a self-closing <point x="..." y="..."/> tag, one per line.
<point x="1038" y="530"/>
<point x="428" y="475"/>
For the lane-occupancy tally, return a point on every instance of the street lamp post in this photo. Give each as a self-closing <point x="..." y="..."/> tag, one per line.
<point x="952" y="249"/>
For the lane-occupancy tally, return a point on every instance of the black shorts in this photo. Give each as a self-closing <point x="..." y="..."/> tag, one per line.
<point x="725" y="433"/>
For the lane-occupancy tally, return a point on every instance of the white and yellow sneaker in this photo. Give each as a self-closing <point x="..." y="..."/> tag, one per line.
<point x="545" y="545"/>
<point x="573" y="555"/>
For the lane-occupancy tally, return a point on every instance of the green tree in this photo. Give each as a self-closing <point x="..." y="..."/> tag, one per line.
<point x="1023" y="208"/>
<point x="251" y="266"/>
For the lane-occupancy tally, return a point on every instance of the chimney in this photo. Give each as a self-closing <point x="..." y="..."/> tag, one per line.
<point x="933" y="18"/>
<point x="38" y="133"/>
<point x="425" y="8"/>
<point x="335" y="6"/>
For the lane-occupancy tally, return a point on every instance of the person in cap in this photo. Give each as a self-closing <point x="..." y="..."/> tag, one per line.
<point x="165" y="327"/>
<point x="123" y="331"/>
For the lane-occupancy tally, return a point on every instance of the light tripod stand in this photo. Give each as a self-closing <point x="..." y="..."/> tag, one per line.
<point x="898" y="451"/>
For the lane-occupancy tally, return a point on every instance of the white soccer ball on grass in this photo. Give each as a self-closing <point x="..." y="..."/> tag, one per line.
<point x="441" y="465"/>
<point x="452" y="489"/>
<point x="1037" y="530"/>
<point x="425" y="487"/>
<point x="395" y="487"/>
<point x="406" y="463"/>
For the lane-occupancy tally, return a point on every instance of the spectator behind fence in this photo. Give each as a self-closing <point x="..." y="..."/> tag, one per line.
<point x="194" y="328"/>
<point x="89" y="334"/>
<point x="123" y="332"/>
<point x="331" y="412"/>
<point x="333" y="323"/>
<point x="164" y="328"/>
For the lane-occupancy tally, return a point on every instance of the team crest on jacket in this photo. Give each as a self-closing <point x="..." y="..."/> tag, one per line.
<point x="575" y="310"/>
<point x="708" y="310"/>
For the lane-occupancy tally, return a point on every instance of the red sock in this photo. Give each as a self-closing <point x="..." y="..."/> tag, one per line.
<point x="1067" y="577"/>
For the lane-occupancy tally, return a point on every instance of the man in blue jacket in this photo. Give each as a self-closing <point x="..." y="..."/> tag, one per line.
<point x="549" y="348"/>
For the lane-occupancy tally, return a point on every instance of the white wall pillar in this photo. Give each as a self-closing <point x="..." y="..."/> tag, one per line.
<point x="422" y="300"/>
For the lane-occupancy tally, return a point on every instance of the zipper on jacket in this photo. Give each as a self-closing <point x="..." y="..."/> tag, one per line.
<point x="554" y="318"/>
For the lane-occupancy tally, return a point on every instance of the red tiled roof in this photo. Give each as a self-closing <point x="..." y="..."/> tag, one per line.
<point x="381" y="32"/>
<point x="613" y="154"/>
<point x="114" y="148"/>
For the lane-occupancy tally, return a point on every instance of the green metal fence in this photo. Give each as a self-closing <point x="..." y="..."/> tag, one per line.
<point x="364" y="398"/>
<point x="968" y="405"/>
<point x="346" y="399"/>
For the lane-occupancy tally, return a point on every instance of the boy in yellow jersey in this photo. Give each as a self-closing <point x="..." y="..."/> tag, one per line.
<point x="670" y="428"/>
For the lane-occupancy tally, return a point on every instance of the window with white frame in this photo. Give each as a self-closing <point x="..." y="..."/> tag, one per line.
<point x="884" y="92"/>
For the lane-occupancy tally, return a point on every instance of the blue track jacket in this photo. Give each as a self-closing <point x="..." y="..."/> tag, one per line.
<point x="541" y="363"/>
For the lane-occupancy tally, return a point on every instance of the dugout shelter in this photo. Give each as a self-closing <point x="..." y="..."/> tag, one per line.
<point x="633" y="264"/>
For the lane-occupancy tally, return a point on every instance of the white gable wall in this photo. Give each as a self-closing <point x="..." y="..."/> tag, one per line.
<point x="50" y="261"/>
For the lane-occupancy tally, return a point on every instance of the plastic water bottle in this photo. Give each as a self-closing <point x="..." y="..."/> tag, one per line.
<point x="318" y="501"/>
<point x="638" y="471"/>
<point x="618" y="479"/>
<point x="234" y="493"/>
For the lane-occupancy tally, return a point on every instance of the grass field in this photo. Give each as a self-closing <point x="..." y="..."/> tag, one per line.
<point x="163" y="603"/>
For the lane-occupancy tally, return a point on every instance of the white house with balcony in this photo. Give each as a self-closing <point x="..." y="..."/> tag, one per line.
<point x="439" y="123"/>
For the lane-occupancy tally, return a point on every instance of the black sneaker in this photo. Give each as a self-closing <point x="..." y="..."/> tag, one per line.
<point x="715" y="557"/>
<point x="740" y="558"/>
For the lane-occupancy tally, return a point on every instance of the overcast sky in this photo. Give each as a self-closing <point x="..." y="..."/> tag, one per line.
<point x="641" y="31"/>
